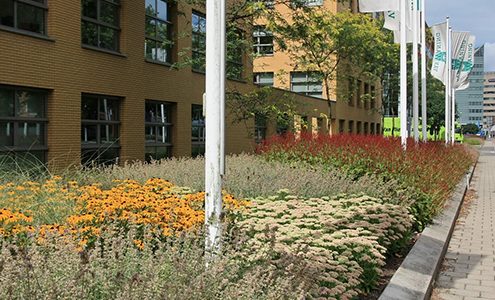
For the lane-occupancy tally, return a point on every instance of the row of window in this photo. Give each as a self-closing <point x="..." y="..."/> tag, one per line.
<point x="306" y="83"/>
<point x="475" y="111"/>
<point x="100" y="28"/>
<point x="23" y="126"/>
<point x="361" y="127"/>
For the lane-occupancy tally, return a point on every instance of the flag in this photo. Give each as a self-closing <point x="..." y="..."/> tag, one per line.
<point x="466" y="66"/>
<point x="439" y="65"/>
<point x="378" y="5"/>
<point x="392" y="22"/>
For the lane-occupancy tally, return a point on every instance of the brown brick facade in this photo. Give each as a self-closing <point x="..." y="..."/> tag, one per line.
<point x="66" y="69"/>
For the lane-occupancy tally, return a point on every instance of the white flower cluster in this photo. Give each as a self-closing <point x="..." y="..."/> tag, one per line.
<point x="344" y="241"/>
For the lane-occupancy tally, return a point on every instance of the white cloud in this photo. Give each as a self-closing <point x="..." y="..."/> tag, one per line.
<point x="489" y="57"/>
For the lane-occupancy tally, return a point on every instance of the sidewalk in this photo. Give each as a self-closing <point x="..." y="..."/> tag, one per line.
<point x="468" y="270"/>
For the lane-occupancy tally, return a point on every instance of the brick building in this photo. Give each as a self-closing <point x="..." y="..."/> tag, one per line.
<point x="349" y="113"/>
<point x="92" y="80"/>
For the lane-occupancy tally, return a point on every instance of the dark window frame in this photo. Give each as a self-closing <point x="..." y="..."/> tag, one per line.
<point x="15" y="121"/>
<point x="234" y="64"/>
<point x="155" y="38"/>
<point x="258" y="32"/>
<point x="198" y="52"/>
<point x="201" y="138"/>
<point x="99" y="24"/>
<point x="257" y="77"/>
<point x="100" y="147"/>
<point x="15" y="21"/>
<point x="168" y="124"/>
<point x="308" y="82"/>
<point x="260" y="128"/>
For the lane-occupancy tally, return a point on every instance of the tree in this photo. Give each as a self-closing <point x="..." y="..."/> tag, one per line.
<point x="470" y="129"/>
<point x="326" y="43"/>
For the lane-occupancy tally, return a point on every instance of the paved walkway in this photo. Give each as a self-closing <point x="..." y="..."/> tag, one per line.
<point x="469" y="267"/>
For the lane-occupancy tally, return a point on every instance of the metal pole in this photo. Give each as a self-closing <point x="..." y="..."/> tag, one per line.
<point x="447" y="85"/>
<point x="415" y="66"/>
<point x="223" y="53"/>
<point x="215" y="97"/>
<point x="453" y="117"/>
<point x="403" y="75"/>
<point x="424" y="115"/>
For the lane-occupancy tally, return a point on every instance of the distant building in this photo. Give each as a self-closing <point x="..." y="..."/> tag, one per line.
<point x="489" y="101"/>
<point x="469" y="102"/>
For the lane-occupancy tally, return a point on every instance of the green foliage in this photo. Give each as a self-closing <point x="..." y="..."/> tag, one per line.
<point x="473" y="141"/>
<point x="321" y="41"/>
<point x="470" y="129"/>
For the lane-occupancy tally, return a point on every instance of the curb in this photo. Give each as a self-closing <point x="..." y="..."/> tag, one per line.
<point x="416" y="275"/>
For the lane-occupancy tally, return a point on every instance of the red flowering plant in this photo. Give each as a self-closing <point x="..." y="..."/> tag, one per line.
<point x="432" y="169"/>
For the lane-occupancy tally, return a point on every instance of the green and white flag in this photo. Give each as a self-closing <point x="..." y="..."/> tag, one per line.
<point x="392" y="22"/>
<point x="378" y="5"/>
<point x="461" y="80"/>
<point x="439" y="65"/>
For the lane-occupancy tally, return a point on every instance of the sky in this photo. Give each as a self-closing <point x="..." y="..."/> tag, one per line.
<point x="476" y="16"/>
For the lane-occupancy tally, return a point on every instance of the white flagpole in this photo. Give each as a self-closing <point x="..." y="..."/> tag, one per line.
<point x="223" y="54"/>
<point x="424" y="115"/>
<point x="453" y="117"/>
<point x="215" y="96"/>
<point x="447" y="84"/>
<point x="403" y="75"/>
<point x="415" y="66"/>
<point x="449" y="62"/>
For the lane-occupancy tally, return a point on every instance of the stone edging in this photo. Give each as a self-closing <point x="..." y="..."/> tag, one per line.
<point x="416" y="275"/>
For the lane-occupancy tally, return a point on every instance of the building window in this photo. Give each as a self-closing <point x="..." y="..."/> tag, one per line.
<point x="100" y="129"/>
<point x="198" y="136"/>
<point x="100" y="24"/>
<point x="259" y="128"/>
<point x="358" y="128"/>
<point x="359" y="94"/>
<point x="366" y="128"/>
<point x="307" y="3"/>
<point x="263" y="79"/>
<point x="157" y="130"/>
<point x="373" y="95"/>
<point x="351" y="126"/>
<point x="198" y="41"/>
<point x="22" y="125"/>
<point x="307" y="83"/>
<point x="341" y="126"/>
<point x="27" y="15"/>
<point x="235" y="64"/>
<point x="158" y="31"/>
<point x="262" y="41"/>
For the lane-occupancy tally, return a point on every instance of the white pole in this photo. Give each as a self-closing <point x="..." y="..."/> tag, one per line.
<point x="424" y="115"/>
<point x="403" y="75"/>
<point x="223" y="54"/>
<point x="415" y="66"/>
<point x="447" y="85"/>
<point x="215" y="96"/>
<point x="453" y="117"/>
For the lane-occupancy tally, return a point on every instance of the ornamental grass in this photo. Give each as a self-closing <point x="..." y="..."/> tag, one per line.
<point x="432" y="169"/>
